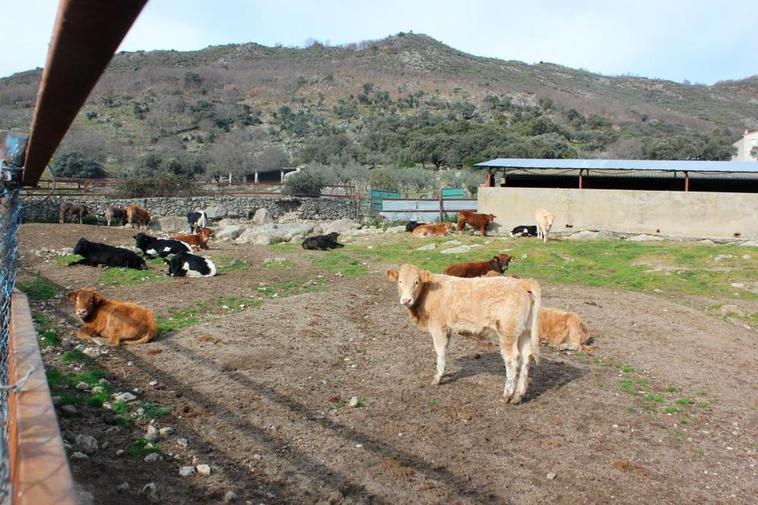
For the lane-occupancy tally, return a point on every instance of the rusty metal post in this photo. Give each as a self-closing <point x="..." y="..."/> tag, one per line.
<point x="686" y="181"/>
<point x="580" y="178"/>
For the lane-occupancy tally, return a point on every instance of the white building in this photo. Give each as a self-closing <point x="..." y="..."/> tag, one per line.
<point x="745" y="145"/>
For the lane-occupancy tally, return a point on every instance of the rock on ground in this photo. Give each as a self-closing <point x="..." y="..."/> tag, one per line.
<point x="230" y="232"/>
<point x="395" y="229"/>
<point x="644" y="238"/>
<point x="262" y="216"/>
<point x="87" y="444"/>
<point x="341" y="226"/>
<point x="204" y="470"/>
<point x="169" y="224"/>
<point x="216" y="212"/>
<point x="152" y="433"/>
<point x="591" y="235"/>
<point x="427" y="247"/>
<point x="186" y="471"/>
<point x="458" y="250"/>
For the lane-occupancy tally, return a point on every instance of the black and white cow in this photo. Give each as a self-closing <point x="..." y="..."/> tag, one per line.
<point x="197" y="220"/>
<point x="95" y="254"/>
<point x="190" y="265"/>
<point x="524" y="231"/>
<point x="152" y="247"/>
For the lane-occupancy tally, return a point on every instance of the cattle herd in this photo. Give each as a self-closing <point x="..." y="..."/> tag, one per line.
<point x="472" y="298"/>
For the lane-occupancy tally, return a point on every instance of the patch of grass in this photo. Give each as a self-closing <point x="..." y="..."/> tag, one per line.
<point x="627" y="369"/>
<point x="66" y="260"/>
<point x="154" y="410"/>
<point x="140" y="448"/>
<point x="683" y="401"/>
<point x="653" y="397"/>
<point x="339" y="262"/>
<point x="129" y="276"/>
<point x="46" y="330"/>
<point x="675" y="268"/>
<point x="73" y="356"/>
<point x="91" y="377"/>
<point x="672" y="389"/>
<point x="226" y="265"/>
<point x="71" y="399"/>
<point x="290" y="288"/>
<point x="684" y="421"/>
<point x="119" y="407"/>
<point x="278" y="264"/>
<point x="55" y="379"/>
<point x="178" y="319"/>
<point x="672" y="409"/>
<point x="38" y="288"/>
<point x="702" y="405"/>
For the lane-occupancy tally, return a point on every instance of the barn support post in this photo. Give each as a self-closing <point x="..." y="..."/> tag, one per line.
<point x="580" y="178"/>
<point x="256" y="177"/>
<point x="686" y="181"/>
<point x="442" y="209"/>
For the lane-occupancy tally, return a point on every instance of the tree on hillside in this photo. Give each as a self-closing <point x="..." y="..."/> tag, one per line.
<point x="79" y="166"/>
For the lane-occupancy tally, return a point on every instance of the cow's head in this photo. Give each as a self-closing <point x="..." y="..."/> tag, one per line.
<point x="502" y="261"/>
<point x="85" y="301"/>
<point x="447" y="227"/>
<point x="333" y="236"/>
<point x="410" y="283"/>
<point x="205" y="233"/>
<point x="490" y="218"/>
<point x="81" y="247"/>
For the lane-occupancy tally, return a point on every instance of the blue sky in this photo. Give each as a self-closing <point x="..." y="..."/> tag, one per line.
<point x="702" y="41"/>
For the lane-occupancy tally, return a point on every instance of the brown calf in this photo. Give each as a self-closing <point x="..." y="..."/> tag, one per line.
<point x="136" y="215"/>
<point x="115" y="213"/>
<point x="112" y="320"/>
<point x="74" y="211"/>
<point x="432" y="230"/>
<point x="502" y="307"/>
<point x="563" y="330"/>
<point x="481" y="221"/>
<point x="497" y="264"/>
<point x="197" y="240"/>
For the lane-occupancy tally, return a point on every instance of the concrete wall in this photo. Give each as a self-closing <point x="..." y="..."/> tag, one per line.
<point x="676" y="214"/>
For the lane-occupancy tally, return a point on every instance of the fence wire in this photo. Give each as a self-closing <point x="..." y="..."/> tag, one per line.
<point x="9" y="220"/>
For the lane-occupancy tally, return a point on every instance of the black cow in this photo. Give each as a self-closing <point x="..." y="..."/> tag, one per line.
<point x="524" y="231"/>
<point x="152" y="247"/>
<point x="197" y="220"/>
<point x="96" y="254"/>
<point x="323" y="242"/>
<point x="191" y="265"/>
<point x="412" y="225"/>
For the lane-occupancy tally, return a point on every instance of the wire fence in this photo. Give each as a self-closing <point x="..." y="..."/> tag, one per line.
<point x="9" y="221"/>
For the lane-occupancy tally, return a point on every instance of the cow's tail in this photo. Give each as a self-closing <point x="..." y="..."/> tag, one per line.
<point x="535" y="293"/>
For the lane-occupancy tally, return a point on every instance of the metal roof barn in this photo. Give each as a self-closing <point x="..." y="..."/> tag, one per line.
<point x="654" y="165"/>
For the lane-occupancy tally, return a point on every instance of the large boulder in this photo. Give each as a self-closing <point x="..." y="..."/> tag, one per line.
<point x="228" y="221"/>
<point x="216" y="212"/>
<point x="262" y="216"/>
<point x="341" y="226"/>
<point x="395" y="229"/>
<point x="169" y="224"/>
<point x="230" y="232"/>
<point x="273" y="233"/>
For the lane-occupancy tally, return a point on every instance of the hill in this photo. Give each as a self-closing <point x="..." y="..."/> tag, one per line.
<point x="402" y="100"/>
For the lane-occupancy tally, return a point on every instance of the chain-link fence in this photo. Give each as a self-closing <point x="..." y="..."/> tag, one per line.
<point x="9" y="220"/>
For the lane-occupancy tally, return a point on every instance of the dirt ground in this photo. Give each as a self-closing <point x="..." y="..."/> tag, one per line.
<point x="261" y="395"/>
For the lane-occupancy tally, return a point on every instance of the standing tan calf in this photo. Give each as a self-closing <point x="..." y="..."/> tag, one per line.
<point x="544" y="223"/>
<point x="563" y="330"/>
<point x="112" y="320"/>
<point x="483" y="306"/>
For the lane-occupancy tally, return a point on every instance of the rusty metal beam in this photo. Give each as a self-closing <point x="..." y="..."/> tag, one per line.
<point x="85" y="37"/>
<point x="39" y="468"/>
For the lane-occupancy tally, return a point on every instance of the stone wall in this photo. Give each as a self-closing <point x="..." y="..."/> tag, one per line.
<point x="217" y="207"/>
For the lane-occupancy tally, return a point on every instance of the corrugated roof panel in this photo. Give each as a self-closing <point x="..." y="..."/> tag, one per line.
<point x="656" y="165"/>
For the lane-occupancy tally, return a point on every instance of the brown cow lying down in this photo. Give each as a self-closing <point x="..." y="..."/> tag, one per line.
<point x="484" y="306"/>
<point x="197" y="240"/>
<point x="563" y="330"/>
<point x="497" y="265"/>
<point x="112" y="320"/>
<point x="480" y="221"/>
<point x="432" y="230"/>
